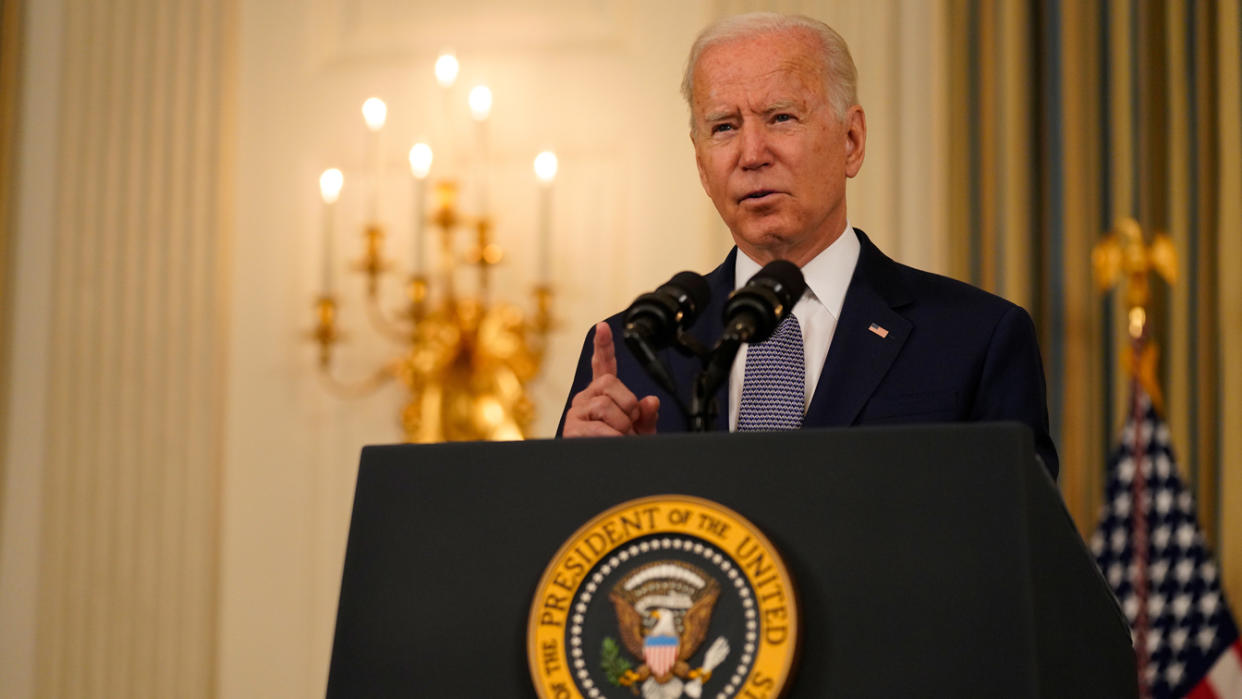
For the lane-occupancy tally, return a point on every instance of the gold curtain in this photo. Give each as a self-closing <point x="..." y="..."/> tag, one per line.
<point x="1073" y="113"/>
<point x="10" y="55"/>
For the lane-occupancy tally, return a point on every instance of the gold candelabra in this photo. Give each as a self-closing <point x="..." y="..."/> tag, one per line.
<point x="465" y="359"/>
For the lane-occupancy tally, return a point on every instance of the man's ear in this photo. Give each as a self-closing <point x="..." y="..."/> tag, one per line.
<point x="855" y="140"/>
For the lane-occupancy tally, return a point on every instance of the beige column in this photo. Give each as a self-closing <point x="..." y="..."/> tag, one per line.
<point x="127" y="446"/>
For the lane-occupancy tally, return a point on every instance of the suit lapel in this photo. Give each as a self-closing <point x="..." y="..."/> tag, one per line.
<point x="859" y="356"/>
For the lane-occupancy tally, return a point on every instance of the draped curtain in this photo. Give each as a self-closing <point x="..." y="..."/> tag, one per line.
<point x="1065" y="116"/>
<point x="10" y="22"/>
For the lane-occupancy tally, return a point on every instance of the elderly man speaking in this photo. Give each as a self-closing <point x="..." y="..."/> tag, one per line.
<point x="777" y="130"/>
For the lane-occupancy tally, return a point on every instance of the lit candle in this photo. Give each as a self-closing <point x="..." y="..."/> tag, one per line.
<point x="545" y="172"/>
<point x="330" y="183"/>
<point x="375" y="113"/>
<point x="480" y="108"/>
<point x="446" y="70"/>
<point x="420" y="165"/>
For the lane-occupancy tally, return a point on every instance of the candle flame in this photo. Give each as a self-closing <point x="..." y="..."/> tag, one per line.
<point x="420" y="160"/>
<point x="375" y="112"/>
<point x="546" y="166"/>
<point x="446" y="69"/>
<point x="330" y="183"/>
<point x="480" y="102"/>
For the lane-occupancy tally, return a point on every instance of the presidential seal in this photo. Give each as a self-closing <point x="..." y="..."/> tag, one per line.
<point x="664" y="597"/>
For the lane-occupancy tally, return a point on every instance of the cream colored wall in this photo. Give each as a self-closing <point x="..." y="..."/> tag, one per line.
<point x="595" y="81"/>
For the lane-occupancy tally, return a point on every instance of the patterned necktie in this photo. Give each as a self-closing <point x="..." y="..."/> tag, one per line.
<point x="774" y="388"/>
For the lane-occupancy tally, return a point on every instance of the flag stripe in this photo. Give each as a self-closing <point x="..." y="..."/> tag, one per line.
<point x="1226" y="674"/>
<point x="1203" y="690"/>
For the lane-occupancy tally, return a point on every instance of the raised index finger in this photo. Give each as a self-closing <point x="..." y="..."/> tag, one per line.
<point x="604" y="359"/>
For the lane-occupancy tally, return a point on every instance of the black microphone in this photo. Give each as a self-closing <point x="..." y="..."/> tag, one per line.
<point x="750" y="315"/>
<point x="753" y="311"/>
<point x="655" y="317"/>
<point x="653" y="320"/>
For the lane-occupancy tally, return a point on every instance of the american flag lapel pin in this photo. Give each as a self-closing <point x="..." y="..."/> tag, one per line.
<point x="878" y="330"/>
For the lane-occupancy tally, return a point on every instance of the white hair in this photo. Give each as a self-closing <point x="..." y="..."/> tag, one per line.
<point x="840" y="75"/>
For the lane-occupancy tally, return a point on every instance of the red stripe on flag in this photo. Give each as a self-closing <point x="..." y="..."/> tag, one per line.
<point x="1225" y="677"/>
<point x="1224" y="680"/>
<point x="1203" y="690"/>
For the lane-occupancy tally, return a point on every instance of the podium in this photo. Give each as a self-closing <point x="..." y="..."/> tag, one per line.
<point x="928" y="560"/>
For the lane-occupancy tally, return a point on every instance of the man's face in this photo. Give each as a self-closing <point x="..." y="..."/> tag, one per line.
<point x="772" y="153"/>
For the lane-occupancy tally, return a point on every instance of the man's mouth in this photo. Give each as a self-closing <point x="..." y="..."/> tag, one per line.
<point x="758" y="194"/>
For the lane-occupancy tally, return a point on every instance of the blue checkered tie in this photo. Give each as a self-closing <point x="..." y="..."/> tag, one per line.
<point x="774" y="389"/>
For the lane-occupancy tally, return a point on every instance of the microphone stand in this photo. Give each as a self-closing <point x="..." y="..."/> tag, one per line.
<point x="716" y="366"/>
<point x="702" y="411"/>
<point x="651" y="364"/>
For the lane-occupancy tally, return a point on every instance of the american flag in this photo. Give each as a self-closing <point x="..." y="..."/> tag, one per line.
<point x="1155" y="559"/>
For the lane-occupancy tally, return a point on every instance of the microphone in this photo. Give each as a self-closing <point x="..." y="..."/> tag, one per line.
<point x="750" y="315"/>
<point x="654" y="318"/>
<point x="753" y="311"/>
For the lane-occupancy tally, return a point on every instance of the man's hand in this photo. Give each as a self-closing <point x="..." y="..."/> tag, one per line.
<point x="606" y="408"/>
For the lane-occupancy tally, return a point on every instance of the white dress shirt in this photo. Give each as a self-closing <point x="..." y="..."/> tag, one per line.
<point x="827" y="278"/>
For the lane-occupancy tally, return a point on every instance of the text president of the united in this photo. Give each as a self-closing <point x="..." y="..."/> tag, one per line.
<point x="777" y="130"/>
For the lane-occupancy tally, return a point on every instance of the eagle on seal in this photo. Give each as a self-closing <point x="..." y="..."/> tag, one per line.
<point x="663" y="611"/>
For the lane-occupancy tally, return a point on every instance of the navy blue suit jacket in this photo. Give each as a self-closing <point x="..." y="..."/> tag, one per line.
<point x="953" y="353"/>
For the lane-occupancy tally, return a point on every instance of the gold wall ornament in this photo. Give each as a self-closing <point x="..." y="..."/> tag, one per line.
<point x="1124" y="257"/>
<point x="465" y="359"/>
<point x="1124" y="253"/>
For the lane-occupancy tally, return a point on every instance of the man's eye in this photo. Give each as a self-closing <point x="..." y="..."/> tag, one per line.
<point x="783" y="117"/>
<point x="720" y="128"/>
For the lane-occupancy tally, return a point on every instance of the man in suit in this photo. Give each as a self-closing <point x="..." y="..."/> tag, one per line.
<point x="777" y="130"/>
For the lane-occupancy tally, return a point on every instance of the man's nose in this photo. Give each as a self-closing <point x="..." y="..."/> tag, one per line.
<point x="755" y="153"/>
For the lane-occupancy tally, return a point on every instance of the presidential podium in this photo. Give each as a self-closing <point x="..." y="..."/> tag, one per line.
<point x="928" y="561"/>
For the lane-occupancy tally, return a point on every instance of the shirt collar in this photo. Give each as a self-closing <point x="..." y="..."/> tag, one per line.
<point x="827" y="275"/>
